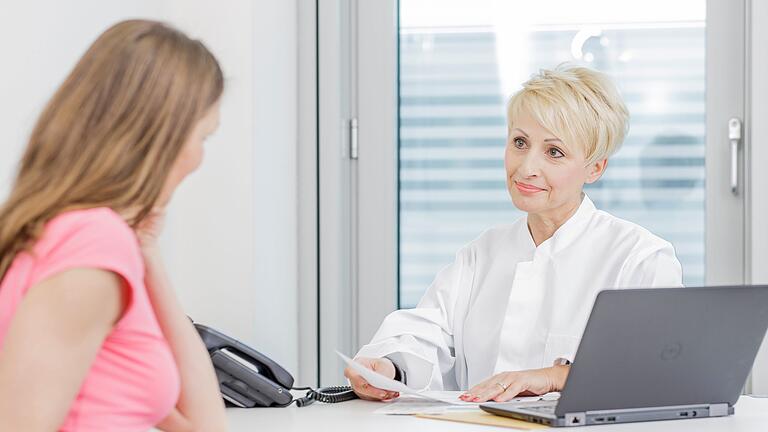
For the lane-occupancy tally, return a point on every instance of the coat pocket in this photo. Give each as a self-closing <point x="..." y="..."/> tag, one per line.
<point x="558" y="348"/>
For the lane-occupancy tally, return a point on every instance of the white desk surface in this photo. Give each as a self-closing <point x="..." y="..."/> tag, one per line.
<point x="357" y="415"/>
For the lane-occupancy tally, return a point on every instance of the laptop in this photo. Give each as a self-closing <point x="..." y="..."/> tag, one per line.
<point x="657" y="354"/>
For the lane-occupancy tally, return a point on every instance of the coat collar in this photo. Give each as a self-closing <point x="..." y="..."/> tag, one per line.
<point x="572" y="229"/>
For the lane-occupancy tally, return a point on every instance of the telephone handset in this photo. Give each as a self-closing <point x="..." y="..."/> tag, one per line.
<point x="249" y="379"/>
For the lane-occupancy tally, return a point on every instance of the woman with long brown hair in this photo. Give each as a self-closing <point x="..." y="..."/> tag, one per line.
<point x="92" y="337"/>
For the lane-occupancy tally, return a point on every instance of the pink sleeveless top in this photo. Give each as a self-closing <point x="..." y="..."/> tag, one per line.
<point x="133" y="382"/>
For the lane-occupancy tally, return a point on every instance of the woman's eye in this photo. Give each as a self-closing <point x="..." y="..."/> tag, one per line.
<point x="519" y="143"/>
<point x="555" y="152"/>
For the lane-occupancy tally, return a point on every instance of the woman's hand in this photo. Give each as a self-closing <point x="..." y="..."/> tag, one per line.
<point x="200" y="406"/>
<point x="150" y="228"/>
<point x="507" y="385"/>
<point x="366" y="391"/>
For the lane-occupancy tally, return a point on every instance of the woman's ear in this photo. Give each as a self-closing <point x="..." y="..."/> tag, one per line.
<point x="595" y="170"/>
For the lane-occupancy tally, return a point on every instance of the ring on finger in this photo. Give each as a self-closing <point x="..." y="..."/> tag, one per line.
<point x="503" y="386"/>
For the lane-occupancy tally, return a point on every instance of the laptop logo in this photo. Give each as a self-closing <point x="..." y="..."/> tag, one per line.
<point x="671" y="351"/>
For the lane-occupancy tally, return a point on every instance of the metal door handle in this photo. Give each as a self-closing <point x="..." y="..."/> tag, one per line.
<point x="734" y="136"/>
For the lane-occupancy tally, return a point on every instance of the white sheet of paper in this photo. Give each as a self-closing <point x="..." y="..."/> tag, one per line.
<point x="375" y="379"/>
<point x="410" y="405"/>
<point x="446" y="397"/>
<point x="384" y="383"/>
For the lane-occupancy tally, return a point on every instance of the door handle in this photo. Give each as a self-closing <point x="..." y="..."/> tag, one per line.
<point x="734" y="136"/>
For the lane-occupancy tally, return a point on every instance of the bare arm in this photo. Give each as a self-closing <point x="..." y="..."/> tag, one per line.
<point x="53" y="338"/>
<point x="200" y="406"/>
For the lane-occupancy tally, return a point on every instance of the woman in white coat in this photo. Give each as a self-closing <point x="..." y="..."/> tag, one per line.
<point x="505" y="318"/>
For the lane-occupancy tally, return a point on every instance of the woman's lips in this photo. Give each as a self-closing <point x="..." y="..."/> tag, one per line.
<point x="527" y="189"/>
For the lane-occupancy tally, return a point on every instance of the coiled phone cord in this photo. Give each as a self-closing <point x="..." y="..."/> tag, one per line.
<point x="333" y="394"/>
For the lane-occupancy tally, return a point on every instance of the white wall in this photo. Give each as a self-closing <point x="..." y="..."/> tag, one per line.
<point x="40" y="42"/>
<point x="232" y="229"/>
<point x="230" y="239"/>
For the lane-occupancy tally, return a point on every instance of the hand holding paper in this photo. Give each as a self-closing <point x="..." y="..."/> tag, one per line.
<point x="384" y="383"/>
<point x="364" y="389"/>
<point x="375" y="379"/>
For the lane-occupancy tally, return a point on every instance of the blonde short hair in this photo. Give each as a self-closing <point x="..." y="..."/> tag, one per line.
<point x="579" y="105"/>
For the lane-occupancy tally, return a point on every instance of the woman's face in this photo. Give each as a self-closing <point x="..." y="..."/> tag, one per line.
<point x="545" y="176"/>
<point x="191" y="155"/>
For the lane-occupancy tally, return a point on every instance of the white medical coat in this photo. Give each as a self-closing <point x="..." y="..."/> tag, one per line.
<point x="506" y="305"/>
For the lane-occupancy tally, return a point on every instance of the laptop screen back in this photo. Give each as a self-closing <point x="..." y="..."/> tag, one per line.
<point x="664" y="347"/>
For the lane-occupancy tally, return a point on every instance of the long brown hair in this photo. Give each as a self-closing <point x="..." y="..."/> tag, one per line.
<point x="110" y="134"/>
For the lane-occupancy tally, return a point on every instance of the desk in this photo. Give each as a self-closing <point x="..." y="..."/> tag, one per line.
<point x="357" y="415"/>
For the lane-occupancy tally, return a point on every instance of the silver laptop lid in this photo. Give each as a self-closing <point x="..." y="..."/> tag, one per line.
<point x="666" y="347"/>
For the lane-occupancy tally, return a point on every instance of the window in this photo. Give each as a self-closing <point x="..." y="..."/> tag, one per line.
<point x="459" y="62"/>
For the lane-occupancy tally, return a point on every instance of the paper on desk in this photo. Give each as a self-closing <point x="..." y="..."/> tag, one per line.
<point x="410" y="405"/>
<point x="445" y="397"/>
<point x="484" y="418"/>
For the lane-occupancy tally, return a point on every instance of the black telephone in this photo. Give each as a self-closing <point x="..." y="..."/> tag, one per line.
<point x="250" y="379"/>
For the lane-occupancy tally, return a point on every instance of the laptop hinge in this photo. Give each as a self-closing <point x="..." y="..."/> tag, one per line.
<point x="575" y="419"/>
<point x="718" y="410"/>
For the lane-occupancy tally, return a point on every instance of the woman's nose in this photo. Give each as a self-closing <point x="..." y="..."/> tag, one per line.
<point x="530" y="165"/>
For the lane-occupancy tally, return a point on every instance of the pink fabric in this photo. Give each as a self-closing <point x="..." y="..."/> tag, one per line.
<point x="133" y="383"/>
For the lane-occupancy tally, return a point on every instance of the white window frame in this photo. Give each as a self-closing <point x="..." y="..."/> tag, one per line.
<point x="355" y="242"/>
<point x="307" y="194"/>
